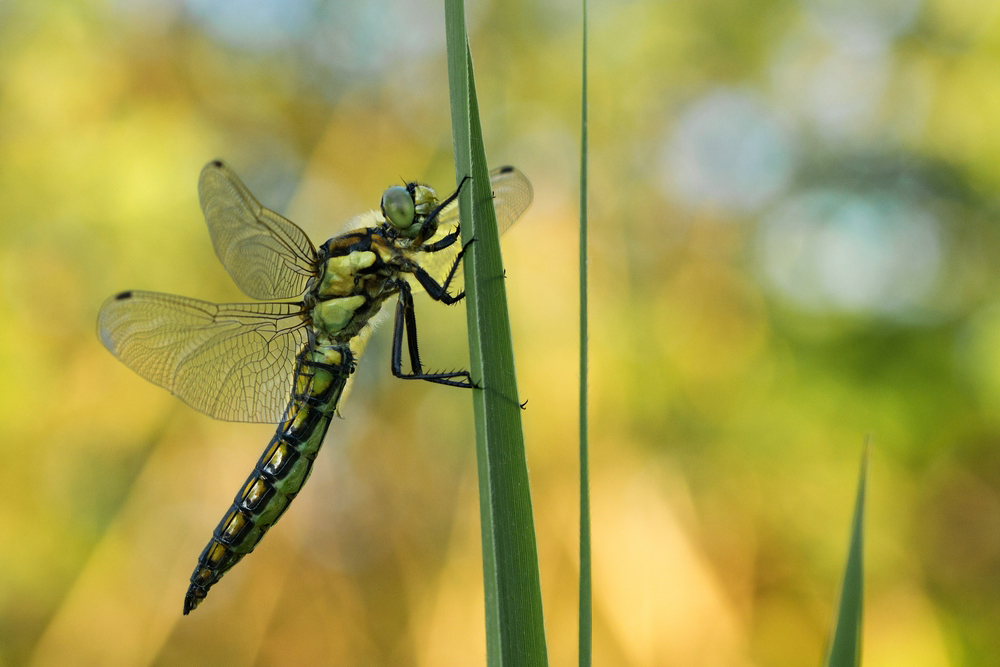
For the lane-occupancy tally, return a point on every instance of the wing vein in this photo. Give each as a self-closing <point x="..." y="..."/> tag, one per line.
<point x="230" y="361"/>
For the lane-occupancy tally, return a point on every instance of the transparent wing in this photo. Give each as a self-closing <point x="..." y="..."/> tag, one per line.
<point x="268" y="256"/>
<point x="232" y="361"/>
<point x="512" y="195"/>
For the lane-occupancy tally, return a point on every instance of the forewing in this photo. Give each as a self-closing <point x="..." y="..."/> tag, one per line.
<point x="268" y="256"/>
<point x="232" y="361"/>
<point x="512" y="195"/>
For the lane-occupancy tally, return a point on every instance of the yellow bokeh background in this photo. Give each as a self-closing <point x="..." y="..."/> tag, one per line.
<point x="794" y="219"/>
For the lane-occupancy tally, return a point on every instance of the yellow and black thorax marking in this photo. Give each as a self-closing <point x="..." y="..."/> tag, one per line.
<point x="357" y="272"/>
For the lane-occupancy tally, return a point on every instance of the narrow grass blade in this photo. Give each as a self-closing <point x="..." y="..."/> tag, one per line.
<point x="515" y="634"/>
<point x="845" y="649"/>
<point x="586" y="612"/>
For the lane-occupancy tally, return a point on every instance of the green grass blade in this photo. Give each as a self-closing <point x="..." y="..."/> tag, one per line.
<point x="586" y="611"/>
<point x="515" y="634"/>
<point x="845" y="649"/>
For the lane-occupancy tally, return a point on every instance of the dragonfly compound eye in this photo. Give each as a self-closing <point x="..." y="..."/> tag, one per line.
<point x="397" y="207"/>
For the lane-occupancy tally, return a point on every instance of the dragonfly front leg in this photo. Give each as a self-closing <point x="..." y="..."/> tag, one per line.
<point x="406" y="324"/>
<point x="431" y="221"/>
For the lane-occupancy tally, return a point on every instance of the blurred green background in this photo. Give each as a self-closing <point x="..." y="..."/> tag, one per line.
<point x="794" y="226"/>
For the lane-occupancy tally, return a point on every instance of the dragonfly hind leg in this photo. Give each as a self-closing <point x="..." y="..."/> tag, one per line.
<point x="406" y="325"/>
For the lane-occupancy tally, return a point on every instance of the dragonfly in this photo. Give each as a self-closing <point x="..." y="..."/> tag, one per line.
<point x="290" y="362"/>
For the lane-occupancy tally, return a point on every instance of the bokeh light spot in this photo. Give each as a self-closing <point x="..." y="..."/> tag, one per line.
<point x="829" y="250"/>
<point x="254" y="24"/>
<point x="728" y="151"/>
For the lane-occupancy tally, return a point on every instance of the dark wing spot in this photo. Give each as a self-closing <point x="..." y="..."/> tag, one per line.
<point x="506" y="169"/>
<point x="121" y="296"/>
<point x="217" y="163"/>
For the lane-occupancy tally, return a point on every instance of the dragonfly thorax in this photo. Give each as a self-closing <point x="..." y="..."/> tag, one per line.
<point x="355" y="278"/>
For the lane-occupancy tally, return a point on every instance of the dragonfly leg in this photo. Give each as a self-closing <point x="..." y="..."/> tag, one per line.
<point x="455" y="265"/>
<point x="439" y="292"/>
<point x="406" y="325"/>
<point x="432" y="218"/>
<point x="443" y="243"/>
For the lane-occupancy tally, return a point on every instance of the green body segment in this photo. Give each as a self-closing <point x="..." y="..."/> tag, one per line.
<point x="343" y="300"/>
<point x="321" y="374"/>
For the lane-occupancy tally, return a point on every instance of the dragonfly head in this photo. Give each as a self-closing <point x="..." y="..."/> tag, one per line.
<point x="398" y="208"/>
<point x="406" y="209"/>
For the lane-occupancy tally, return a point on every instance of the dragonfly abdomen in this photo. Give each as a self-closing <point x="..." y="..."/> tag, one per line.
<point x="320" y="377"/>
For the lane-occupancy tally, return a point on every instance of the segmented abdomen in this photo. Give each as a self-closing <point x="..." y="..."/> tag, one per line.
<point x="320" y="377"/>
